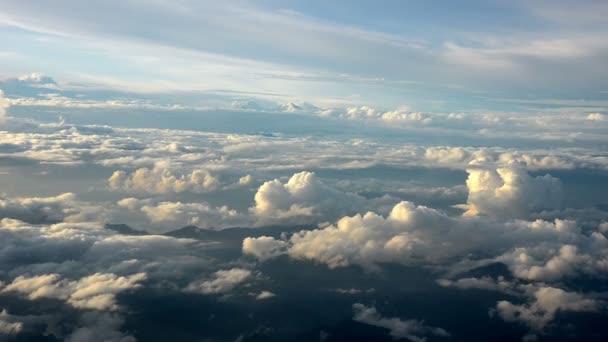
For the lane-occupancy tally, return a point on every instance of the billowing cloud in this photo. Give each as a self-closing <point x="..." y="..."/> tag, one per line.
<point x="178" y="214"/>
<point x="421" y="235"/>
<point x="546" y="303"/>
<point x="65" y="207"/>
<point x="264" y="247"/>
<point x="509" y="192"/>
<point x="413" y="330"/>
<point x="161" y="180"/>
<point x="9" y="325"/>
<point x="96" y="291"/>
<point x="301" y="198"/>
<point x="4" y="104"/>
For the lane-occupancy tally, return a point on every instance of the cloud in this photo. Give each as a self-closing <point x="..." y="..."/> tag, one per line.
<point x="265" y="295"/>
<point x="424" y="236"/>
<point x="97" y="326"/>
<point x="596" y="117"/>
<point x="96" y="291"/>
<point x="483" y="283"/>
<point x="178" y="214"/>
<point x="509" y="192"/>
<point x="223" y="281"/>
<point x="4" y="104"/>
<point x="161" y="180"/>
<point x="413" y="330"/>
<point x="546" y="303"/>
<point x="9" y="325"/>
<point x="65" y="207"/>
<point x="264" y="247"/>
<point x="302" y="198"/>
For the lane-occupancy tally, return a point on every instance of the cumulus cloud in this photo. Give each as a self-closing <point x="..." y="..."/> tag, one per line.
<point x="413" y="330"/>
<point x="546" y="303"/>
<point x="96" y="291"/>
<point x="510" y="192"/>
<point x="223" y="281"/>
<point x="264" y="247"/>
<point x="301" y="198"/>
<point x="161" y="180"/>
<point x="178" y="214"/>
<point x="4" y="104"/>
<point x="420" y="235"/>
<point x="596" y="117"/>
<point x="9" y="325"/>
<point x="64" y="207"/>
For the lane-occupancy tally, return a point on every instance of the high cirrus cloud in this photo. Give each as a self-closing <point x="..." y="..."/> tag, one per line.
<point x="162" y="180"/>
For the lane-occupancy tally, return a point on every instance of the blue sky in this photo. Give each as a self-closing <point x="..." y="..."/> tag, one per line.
<point x="423" y="55"/>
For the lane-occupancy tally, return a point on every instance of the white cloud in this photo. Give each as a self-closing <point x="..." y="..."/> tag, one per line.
<point x="424" y="236"/>
<point x="162" y="180"/>
<point x="264" y="247"/>
<point x="4" y="104"/>
<point x="301" y="198"/>
<point x="61" y="208"/>
<point x="413" y="330"/>
<point x="546" y="303"/>
<point x="596" y="117"/>
<point x="96" y="291"/>
<point x="509" y="192"/>
<point x="223" y="281"/>
<point x="197" y="214"/>
<point x="9" y="325"/>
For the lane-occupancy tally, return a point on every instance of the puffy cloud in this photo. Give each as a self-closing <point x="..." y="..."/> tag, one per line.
<point x="184" y="214"/>
<point x="96" y="291"/>
<point x="424" y="236"/>
<point x="542" y="263"/>
<point x="161" y="180"/>
<point x="301" y="198"/>
<point x="223" y="281"/>
<point x="596" y="117"/>
<point x="4" y="104"/>
<point x="245" y="180"/>
<point x="509" y="192"/>
<point x="64" y="207"/>
<point x="546" y="303"/>
<point x="9" y="325"/>
<point x="264" y="247"/>
<point x="446" y="155"/>
<point x="411" y="329"/>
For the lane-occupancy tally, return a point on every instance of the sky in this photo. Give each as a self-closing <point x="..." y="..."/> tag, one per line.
<point x="303" y="170"/>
